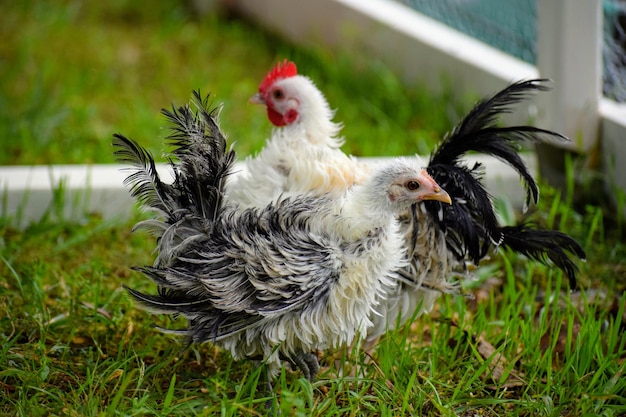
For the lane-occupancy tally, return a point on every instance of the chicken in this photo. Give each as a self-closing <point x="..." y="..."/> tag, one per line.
<point x="276" y="282"/>
<point x="303" y="155"/>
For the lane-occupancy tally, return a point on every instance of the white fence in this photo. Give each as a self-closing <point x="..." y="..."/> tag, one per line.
<point x="29" y="192"/>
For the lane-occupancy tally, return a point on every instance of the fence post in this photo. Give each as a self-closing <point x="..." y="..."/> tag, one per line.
<point x="569" y="46"/>
<point x="569" y="51"/>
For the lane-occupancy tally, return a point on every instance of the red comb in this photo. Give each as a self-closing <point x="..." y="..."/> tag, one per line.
<point x="282" y="70"/>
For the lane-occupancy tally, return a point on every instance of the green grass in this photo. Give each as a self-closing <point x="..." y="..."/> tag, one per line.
<point x="72" y="343"/>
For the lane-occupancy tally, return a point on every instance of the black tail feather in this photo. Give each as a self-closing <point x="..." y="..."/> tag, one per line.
<point x="543" y="245"/>
<point x="478" y="132"/>
<point x="201" y="162"/>
<point x="205" y="323"/>
<point x="470" y="222"/>
<point x="170" y="302"/>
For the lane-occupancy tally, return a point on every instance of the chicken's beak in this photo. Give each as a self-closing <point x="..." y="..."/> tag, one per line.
<point x="435" y="191"/>
<point x="257" y="99"/>
<point x="439" y="195"/>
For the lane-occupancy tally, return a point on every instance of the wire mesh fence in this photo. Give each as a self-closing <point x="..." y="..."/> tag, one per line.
<point x="510" y="25"/>
<point x="614" y="50"/>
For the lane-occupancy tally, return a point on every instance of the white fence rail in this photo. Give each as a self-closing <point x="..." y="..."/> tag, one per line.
<point x="29" y="191"/>
<point x="569" y="51"/>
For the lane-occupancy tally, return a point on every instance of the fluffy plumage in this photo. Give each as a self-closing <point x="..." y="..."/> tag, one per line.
<point x="303" y="154"/>
<point x="184" y="210"/>
<point x="276" y="282"/>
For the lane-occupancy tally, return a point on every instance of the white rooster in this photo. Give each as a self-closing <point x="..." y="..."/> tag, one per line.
<point x="277" y="282"/>
<point x="303" y="155"/>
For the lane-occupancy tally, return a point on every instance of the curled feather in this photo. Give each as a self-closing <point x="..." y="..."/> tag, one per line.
<point x="471" y="223"/>
<point x="200" y="161"/>
<point x="543" y="245"/>
<point x="144" y="181"/>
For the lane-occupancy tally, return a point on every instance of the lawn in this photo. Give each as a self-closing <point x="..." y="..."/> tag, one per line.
<point x="74" y="73"/>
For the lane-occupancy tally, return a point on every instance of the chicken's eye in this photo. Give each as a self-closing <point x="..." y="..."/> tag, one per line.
<point x="278" y="94"/>
<point x="412" y="185"/>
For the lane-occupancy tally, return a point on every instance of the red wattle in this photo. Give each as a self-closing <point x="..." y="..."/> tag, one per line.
<point x="276" y="118"/>
<point x="290" y="116"/>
